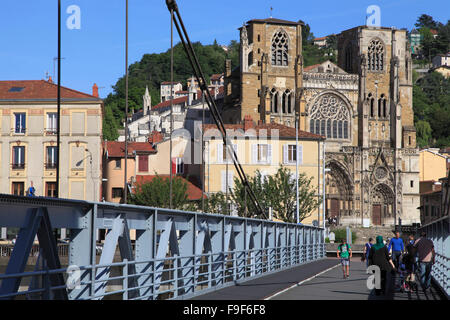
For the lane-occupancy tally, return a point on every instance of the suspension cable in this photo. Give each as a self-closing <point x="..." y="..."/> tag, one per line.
<point x="178" y="21"/>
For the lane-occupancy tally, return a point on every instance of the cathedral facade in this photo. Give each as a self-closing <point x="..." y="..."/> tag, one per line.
<point x="362" y="105"/>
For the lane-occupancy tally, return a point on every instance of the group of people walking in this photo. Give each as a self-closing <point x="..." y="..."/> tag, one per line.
<point x="395" y="257"/>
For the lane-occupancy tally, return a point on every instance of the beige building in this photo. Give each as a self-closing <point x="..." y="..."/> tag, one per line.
<point x="362" y="105"/>
<point x="263" y="147"/>
<point x="28" y="140"/>
<point x="433" y="165"/>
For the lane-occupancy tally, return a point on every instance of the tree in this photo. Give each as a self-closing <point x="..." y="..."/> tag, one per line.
<point x="215" y="203"/>
<point x="426" y="21"/>
<point x="279" y="193"/>
<point x="157" y="193"/>
<point x="424" y="133"/>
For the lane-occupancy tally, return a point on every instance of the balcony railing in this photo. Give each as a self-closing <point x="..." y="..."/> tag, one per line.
<point x="19" y="130"/>
<point x="18" y="166"/>
<point x="50" y="166"/>
<point x="50" y="131"/>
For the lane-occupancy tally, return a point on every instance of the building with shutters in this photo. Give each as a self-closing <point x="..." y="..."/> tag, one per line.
<point x="263" y="147"/>
<point x="28" y="128"/>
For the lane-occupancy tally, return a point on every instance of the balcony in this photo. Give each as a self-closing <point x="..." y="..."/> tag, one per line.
<point x="50" y="166"/>
<point x="50" y="131"/>
<point x="19" y="130"/>
<point x="18" y="166"/>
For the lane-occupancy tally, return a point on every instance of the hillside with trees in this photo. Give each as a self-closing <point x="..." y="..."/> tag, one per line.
<point x="431" y="92"/>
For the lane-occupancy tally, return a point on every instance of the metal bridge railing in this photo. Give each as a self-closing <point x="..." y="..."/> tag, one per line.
<point x="176" y="255"/>
<point x="439" y="232"/>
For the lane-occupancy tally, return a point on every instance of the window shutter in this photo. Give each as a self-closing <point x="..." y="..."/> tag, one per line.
<point x="285" y="154"/>
<point x="224" y="183"/>
<point x="254" y="153"/>
<point x="143" y="163"/>
<point x="230" y="180"/>
<point x="174" y="165"/>
<point x="220" y="153"/>
<point x="300" y="155"/>
<point x="269" y="154"/>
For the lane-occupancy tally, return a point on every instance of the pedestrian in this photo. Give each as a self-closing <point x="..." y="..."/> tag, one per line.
<point x="367" y="247"/>
<point x="345" y="254"/>
<point x="411" y="239"/>
<point x="426" y="255"/>
<point x="409" y="262"/>
<point x="31" y="190"/>
<point x="379" y="256"/>
<point x="396" y="244"/>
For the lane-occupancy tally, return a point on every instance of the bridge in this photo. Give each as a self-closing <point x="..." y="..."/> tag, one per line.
<point x="176" y="255"/>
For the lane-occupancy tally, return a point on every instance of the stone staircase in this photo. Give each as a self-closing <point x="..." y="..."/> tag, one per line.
<point x="363" y="234"/>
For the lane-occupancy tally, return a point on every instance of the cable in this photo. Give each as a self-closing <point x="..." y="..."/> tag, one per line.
<point x="173" y="7"/>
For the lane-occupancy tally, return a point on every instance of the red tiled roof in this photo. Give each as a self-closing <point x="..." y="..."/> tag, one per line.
<point x="283" y="131"/>
<point x="193" y="192"/>
<point x="311" y="67"/>
<point x="39" y="90"/>
<point x="116" y="149"/>
<point x="167" y="103"/>
<point x="216" y="77"/>
<point x="320" y="39"/>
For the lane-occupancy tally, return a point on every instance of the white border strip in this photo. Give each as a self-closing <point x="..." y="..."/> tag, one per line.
<point x="301" y="282"/>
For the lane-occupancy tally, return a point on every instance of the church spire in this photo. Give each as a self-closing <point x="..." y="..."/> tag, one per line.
<point x="147" y="101"/>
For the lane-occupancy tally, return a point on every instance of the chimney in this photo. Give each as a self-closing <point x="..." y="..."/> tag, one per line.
<point x="50" y="80"/>
<point x="95" y="90"/>
<point x="155" y="137"/>
<point x="248" y="123"/>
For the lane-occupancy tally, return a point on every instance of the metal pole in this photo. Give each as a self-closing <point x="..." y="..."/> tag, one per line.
<point x="58" y="102"/>
<point x="171" y="107"/>
<point x="203" y="153"/>
<point x="324" y="187"/>
<point x="125" y="199"/>
<point x="296" y="166"/>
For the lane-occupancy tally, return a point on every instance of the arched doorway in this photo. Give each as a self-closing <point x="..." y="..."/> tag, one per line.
<point x="339" y="192"/>
<point x="382" y="204"/>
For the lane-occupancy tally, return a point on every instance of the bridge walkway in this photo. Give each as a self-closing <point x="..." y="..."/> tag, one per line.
<point x="321" y="280"/>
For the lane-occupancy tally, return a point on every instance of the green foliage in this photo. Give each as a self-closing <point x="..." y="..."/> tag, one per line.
<point x="157" y="193"/>
<point x="215" y="203"/>
<point x="312" y="54"/>
<point x="432" y="110"/>
<point x="279" y="193"/>
<point x="430" y="45"/>
<point x="154" y="69"/>
<point x="341" y="234"/>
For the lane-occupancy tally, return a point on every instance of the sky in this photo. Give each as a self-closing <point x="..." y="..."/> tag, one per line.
<point x="95" y="53"/>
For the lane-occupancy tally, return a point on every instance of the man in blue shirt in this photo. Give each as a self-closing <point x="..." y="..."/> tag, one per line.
<point x="397" y="249"/>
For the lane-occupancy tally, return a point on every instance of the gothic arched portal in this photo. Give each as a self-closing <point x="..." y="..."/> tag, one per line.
<point x="382" y="203"/>
<point x="339" y="191"/>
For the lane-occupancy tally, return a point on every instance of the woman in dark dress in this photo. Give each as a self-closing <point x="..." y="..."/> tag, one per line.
<point x="379" y="256"/>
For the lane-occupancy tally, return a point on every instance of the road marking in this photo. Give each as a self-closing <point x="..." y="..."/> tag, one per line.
<point x="301" y="282"/>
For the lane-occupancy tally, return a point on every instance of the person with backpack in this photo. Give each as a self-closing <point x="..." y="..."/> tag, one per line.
<point x="367" y="247"/>
<point x="345" y="254"/>
<point x="379" y="256"/>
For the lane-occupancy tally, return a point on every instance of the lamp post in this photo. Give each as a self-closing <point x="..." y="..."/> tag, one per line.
<point x="125" y="200"/>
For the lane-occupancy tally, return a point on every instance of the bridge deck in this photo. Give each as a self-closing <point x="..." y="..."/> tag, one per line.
<point x="320" y="280"/>
<point x="331" y="286"/>
<point x="266" y="286"/>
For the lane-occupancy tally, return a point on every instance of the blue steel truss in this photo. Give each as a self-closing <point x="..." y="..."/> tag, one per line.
<point x="176" y="255"/>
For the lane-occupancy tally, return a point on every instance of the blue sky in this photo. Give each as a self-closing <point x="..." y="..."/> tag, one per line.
<point x="96" y="53"/>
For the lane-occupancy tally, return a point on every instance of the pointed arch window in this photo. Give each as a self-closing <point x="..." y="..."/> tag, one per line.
<point x="382" y="107"/>
<point x="330" y="117"/>
<point x="280" y="48"/>
<point x="375" y="55"/>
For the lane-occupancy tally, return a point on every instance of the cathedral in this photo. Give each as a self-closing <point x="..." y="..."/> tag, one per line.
<point x="362" y="105"/>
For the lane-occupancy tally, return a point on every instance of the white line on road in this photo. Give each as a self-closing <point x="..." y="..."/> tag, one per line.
<point x="301" y="282"/>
